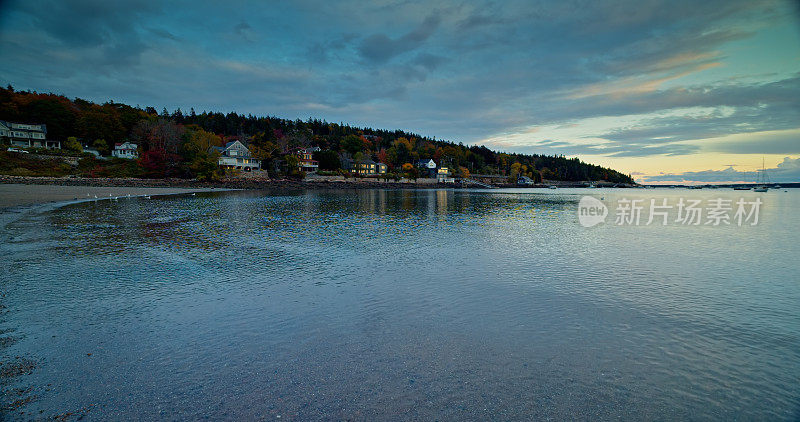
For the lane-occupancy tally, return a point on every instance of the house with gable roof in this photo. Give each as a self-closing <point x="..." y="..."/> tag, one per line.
<point x="235" y="155"/>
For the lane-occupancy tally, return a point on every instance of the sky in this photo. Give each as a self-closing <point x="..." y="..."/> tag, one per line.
<point x="667" y="91"/>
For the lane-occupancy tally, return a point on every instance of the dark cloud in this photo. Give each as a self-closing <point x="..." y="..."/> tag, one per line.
<point x="164" y="34"/>
<point x="245" y="31"/>
<point x="786" y="143"/>
<point x="429" y="61"/>
<point x="380" y="48"/>
<point x="781" y="95"/>
<point x="491" y="15"/>
<point x="474" y="21"/>
<point x="609" y="149"/>
<point x="104" y="30"/>
<point x="321" y="52"/>
<point x="550" y="143"/>
<point x="725" y="110"/>
<point x="460" y="71"/>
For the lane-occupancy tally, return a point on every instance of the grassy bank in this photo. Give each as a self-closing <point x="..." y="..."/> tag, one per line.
<point x="59" y="164"/>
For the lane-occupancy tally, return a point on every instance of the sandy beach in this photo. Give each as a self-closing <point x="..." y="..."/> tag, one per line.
<point x="15" y="195"/>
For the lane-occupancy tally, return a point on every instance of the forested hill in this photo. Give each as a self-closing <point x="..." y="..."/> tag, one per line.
<point x="271" y="137"/>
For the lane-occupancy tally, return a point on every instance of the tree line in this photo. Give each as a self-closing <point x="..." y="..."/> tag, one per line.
<point x="176" y="143"/>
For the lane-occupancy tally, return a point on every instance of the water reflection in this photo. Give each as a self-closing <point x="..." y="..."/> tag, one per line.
<point x="430" y="304"/>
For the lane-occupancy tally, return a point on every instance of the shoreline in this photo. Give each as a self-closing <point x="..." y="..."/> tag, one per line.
<point x="259" y="183"/>
<point x="17" y="196"/>
<point x="242" y="183"/>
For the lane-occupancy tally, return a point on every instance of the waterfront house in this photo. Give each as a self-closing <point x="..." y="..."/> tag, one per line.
<point x="126" y="150"/>
<point x="426" y="163"/>
<point x="26" y="135"/>
<point x="525" y="181"/>
<point x="364" y="167"/>
<point x="307" y="162"/>
<point x="427" y="167"/>
<point x="235" y="155"/>
<point x="443" y="175"/>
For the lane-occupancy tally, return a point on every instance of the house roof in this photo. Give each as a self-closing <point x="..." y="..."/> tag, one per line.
<point x="352" y="161"/>
<point x="426" y="163"/>
<point x="39" y="127"/>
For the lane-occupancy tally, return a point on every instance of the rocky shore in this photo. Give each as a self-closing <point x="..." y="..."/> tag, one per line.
<point x="263" y="183"/>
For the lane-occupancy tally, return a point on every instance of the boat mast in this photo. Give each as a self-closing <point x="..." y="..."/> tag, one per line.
<point x="763" y="179"/>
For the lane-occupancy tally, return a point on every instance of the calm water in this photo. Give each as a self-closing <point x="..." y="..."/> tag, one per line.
<point x="404" y="305"/>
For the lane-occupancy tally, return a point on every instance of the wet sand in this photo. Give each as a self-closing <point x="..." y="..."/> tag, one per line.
<point x="16" y="195"/>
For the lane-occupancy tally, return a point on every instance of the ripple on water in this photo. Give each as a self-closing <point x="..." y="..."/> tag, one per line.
<point x="401" y="304"/>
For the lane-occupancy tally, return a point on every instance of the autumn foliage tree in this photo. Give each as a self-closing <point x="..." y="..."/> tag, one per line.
<point x="160" y="136"/>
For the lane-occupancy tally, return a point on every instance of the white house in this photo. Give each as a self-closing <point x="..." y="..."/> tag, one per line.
<point x="27" y="136"/>
<point x="427" y="163"/>
<point x="125" y="150"/>
<point x="235" y="155"/>
<point x="428" y="167"/>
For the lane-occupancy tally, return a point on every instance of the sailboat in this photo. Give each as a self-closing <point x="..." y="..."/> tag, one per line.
<point x="763" y="179"/>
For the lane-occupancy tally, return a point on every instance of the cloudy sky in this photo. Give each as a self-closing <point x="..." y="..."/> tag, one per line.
<point x="664" y="90"/>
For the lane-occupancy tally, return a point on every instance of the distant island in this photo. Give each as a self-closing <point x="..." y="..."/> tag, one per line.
<point x="114" y="140"/>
